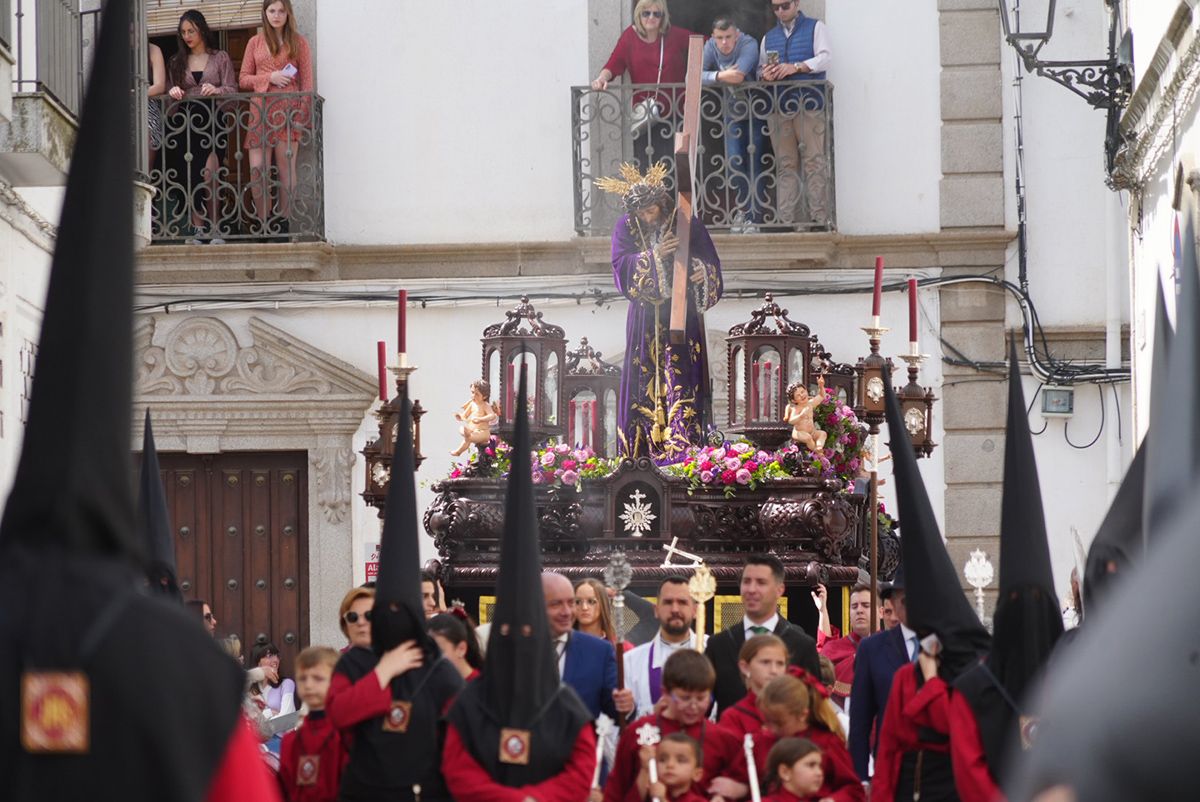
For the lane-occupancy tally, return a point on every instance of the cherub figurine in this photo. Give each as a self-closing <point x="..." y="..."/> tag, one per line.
<point x="477" y="416"/>
<point x="799" y="413"/>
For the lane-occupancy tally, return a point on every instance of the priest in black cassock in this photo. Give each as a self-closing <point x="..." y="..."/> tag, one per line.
<point x="388" y="700"/>
<point x="104" y="691"/>
<point x="518" y="731"/>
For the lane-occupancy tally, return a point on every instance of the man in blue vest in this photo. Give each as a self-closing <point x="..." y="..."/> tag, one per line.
<point x="797" y="50"/>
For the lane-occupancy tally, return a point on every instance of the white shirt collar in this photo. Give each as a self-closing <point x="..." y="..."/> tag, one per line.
<point x="770" y="623"/>
<point x="908" y="634"/>
<point x="563" y="637"/>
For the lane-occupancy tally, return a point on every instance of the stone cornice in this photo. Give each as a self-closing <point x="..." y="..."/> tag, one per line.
<point x="181" y="264"/>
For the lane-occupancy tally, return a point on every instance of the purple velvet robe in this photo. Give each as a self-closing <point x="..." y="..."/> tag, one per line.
<point x="662" y="431"/>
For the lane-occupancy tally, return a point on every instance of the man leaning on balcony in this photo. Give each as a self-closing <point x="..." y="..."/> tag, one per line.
<point x="730" y="57"/>
<point x="797" y="50"/>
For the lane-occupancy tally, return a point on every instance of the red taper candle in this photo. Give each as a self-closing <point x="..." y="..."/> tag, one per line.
<point x="381" y="348"/>
<point x="877" y="299"/>
<point x="402" y="322"/>
<point x="912" y="310"/>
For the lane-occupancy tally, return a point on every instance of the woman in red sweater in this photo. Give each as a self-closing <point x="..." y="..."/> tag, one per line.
<point x="652" y="52"/>
<point x="276" y="60"/>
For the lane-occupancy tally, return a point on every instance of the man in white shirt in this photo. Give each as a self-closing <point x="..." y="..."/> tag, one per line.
<point x="676" y="614"/>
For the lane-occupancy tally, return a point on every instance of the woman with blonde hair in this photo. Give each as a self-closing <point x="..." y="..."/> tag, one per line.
<point x="593" y="613"/>
<point x="652" y="52"/>
<point x="354" y="617"/>
<point x="276" y="60"/>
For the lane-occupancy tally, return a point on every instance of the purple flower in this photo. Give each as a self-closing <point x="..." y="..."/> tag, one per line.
<point x="762" y="457"/>
<point x="706" y="477"/>
<point x="569" y="477"/>
<point x="537" y="477"/>
<point x="548" y="458"/>
<point x="743" y="477"/>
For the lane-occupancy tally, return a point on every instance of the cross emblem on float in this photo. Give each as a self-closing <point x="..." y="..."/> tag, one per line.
<point x="672" y="550"/>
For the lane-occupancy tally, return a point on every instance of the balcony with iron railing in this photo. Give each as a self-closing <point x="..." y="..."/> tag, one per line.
<point x="211" y="179"/>
<point x="742" y="184"/>
<point x="36" y="142"/>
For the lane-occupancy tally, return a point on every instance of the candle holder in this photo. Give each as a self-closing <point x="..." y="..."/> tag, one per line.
<point x="916" y="405"/>
<point x="378" y="452"/>
<point x="870" y="406"/>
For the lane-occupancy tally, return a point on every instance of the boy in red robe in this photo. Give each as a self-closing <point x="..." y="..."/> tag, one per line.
<point x="311" y="757"/>
<point x="687" y="682"/>
<point x="679" y="759"/>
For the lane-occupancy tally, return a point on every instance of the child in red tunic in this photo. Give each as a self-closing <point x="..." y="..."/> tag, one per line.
<point x="311" y="758"/>
<point x="794" y="771"/>
<point x="679" y="757"/>
<point x="687" y="682"/>
<point x="762" y="659"/>
<point x="795" y="707"/>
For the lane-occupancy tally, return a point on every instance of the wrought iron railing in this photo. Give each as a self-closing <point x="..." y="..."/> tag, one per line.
<point x="210" y="177"/>
<point x="47" y="51"/>
<point x="764" y="155"/>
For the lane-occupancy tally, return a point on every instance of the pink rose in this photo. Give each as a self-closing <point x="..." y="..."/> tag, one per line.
<point x="729" y="477"/>
<point x="548" y="458"/>
<point x="740" y="448"/>
<point x="706" y="476"/>
<point x="537" y="477"/>
<point x="762" y="456"/>
<point x="733" y="463"/>
<point x="569" y="477"/>
<point x="562" y="448"/>
<point x="717" y="454"/>
<point x="743" y="477"/>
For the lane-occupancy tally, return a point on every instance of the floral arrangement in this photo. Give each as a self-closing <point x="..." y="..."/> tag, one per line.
<point x="553" y="464"/>
<point x="727" y="466"/>
<point x="559" y="464"/>
<point x="841" y="459"/>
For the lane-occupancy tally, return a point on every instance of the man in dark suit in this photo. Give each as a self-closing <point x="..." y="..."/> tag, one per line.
<point x="586" y="663"/>
<point x="879" y="657"/>
<point x="761" y="587"/>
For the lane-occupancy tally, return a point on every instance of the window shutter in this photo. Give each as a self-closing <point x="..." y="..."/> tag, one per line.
<point x="162" y="16"/>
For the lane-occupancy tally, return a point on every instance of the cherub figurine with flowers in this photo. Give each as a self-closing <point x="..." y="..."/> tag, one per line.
<point x="799" y="413"/>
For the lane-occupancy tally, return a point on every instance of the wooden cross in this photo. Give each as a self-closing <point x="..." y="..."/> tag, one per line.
<point x="686" y="142"/>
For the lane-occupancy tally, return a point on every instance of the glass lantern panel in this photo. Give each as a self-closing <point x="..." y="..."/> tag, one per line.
<point x="583" y="420"/>
<point x="513" y="379"/>
<point x="766" y="374"/>
<point x="737" y="389"/>
<point x="548" y="408"/>
<point x="493" y="374"/>
<point x="610" y="423"/>
<point x="795" y="372"/>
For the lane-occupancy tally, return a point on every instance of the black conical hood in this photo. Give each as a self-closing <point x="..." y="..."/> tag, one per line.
<point x="399" y="614"/>
<point x="520" y="671"/>
<point x="1024" y="550"/>
<point x="1119" y="539"/>
<point x="153" y="521"/>
<point x="1119" y="710"/>
<point x="72" y="489"/>
<point x="933" y="595"/>
<point x="1175" y="399"/>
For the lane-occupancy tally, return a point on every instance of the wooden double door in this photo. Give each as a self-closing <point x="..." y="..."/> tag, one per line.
<point x="241" y="542"/>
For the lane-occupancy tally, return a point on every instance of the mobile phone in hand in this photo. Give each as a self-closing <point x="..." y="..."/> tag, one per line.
<point x="290" y="70"/>
<point x="772" y="57"/>
<point x="931" y="645"/>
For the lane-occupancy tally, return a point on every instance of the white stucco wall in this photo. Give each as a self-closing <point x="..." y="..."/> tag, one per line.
<point x="461" y="131"/>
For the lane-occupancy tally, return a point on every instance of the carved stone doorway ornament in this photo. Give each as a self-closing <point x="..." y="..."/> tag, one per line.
<point x="210" y="391"/>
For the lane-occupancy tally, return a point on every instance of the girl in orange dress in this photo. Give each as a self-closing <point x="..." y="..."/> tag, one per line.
<point x="276" y="60"/>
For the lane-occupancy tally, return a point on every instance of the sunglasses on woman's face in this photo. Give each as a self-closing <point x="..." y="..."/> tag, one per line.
<point x="655" y="14"/>
<point x="352" y="617"/>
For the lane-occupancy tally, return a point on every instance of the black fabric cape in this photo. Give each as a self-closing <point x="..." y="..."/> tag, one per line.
<point x="385" y="765"/>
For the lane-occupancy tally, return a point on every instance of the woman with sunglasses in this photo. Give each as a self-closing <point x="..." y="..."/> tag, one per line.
<point x="652" y="52"/>
<point x="354" y="617"/>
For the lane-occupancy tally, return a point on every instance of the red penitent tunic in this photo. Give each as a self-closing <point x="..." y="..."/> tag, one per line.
<point x="242" y="774"/>
<point x="841" y="652"/>
<point x="723" y="756"/>
<point x="316" y="737"/>
<point x="744" y="717"/>
<point x="688" y="796"/>
<point x="469" y="782"/>
<point x="784" y="795"/>
<point x="349" y="703"/>
<point x="842" y="784"/>
<point x="908" y="709"/>
<point x="971" y="776"/>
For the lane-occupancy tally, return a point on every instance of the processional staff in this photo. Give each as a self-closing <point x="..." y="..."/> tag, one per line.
<point x="617" y="575"/>
<point x="701" y="587"/>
